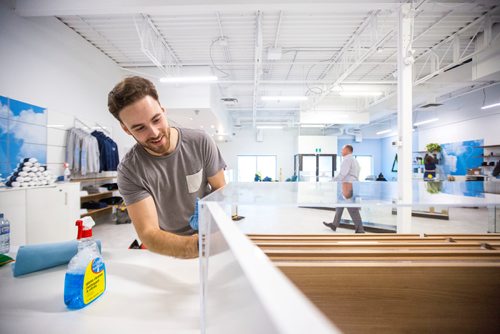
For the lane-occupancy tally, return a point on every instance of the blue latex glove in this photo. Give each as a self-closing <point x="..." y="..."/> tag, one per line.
<point x="193" y="220"/>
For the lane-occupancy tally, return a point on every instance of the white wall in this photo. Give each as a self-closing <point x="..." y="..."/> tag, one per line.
<point x="487" y="128"/>
<point x="282" y="143"/>
<point x="43" y="62"/>
<point x="463" y="119"/>
<point x="309" y="144"/>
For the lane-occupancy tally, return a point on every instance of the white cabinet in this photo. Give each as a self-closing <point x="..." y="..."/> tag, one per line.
<point x="39" y="215"/>
<point x="13" y="205"/>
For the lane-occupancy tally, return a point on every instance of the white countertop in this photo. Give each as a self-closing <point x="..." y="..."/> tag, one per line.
<point x="145" y="293"/>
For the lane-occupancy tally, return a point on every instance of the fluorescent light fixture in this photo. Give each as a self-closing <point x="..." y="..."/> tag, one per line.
<point x="355" y="93"/>
<point x="384" y="131"/>
<point x="200" y="79"/>
<point x="426" y="121"/>
<point x="269" y="126"/>
<point x="284" y="98"/>
<point x="312" y="125"/>
<point x="491" y="106"/>
<point x="55" y="125"/>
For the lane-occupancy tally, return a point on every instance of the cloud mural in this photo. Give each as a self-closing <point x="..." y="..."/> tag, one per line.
<point x="460" y="156"/>
<point x="23" y="133"/>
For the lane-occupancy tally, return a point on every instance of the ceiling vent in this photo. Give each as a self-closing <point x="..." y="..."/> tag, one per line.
<point x="430" y="105"/>
<point x="229" y="101"/>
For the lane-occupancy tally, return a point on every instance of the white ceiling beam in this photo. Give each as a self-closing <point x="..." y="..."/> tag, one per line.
<point x="277" y="33"/>
<point x="155" y="46"/>
<point x="449" y="39"/>
<point x="258" y="63"/>
<point x="353" y="67"/>
<point x="176" y="7"/>
<point x="349" y="43"/>
<point x="434" y="24"/>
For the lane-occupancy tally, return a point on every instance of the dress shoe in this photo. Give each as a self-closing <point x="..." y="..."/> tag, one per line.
<point x="330" y="225"/>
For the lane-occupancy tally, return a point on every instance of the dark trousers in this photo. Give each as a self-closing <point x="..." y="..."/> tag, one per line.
<point x="355" y="215"/>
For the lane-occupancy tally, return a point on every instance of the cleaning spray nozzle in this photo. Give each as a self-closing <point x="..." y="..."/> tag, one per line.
<point x="84" y="227"/>
<point x="79" y="223"/>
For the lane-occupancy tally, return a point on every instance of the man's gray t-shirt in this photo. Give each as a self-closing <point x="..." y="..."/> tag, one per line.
<point x="174" y="181"/>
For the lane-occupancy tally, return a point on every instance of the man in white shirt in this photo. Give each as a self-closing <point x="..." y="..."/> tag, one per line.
<point x="349" y="171"/>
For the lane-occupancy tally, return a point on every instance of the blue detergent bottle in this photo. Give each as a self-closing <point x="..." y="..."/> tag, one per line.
<point x="85" y="279"/>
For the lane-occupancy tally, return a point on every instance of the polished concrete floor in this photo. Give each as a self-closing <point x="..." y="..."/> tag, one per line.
<point x="290" y="220"/>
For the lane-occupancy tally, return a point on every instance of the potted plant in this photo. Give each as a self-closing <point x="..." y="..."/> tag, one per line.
<point x="434" y="187"/>
<point x="433" y="148"/>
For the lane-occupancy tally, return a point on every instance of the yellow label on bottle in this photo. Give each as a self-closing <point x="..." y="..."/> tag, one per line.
<point x="94" y="281"/>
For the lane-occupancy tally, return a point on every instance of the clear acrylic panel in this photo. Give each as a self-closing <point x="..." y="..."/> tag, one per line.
<point x="301" y="207"/>
<point x="242" y="292"/>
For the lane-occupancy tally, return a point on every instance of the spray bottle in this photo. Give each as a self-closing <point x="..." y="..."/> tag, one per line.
<point x="85" y="279"/>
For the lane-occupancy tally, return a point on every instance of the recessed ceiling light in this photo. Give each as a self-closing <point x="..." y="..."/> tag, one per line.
<point x="384" y="131"/>
<point x="491" y="106"/>
<point x="212" y="126"/>
<point x="426" y="121"/>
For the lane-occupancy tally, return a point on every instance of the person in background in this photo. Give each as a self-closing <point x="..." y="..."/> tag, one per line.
<point x="381" y="177"/>
<point x="349" y="171"/>
<point x="496" y="170"/>
<point x="164" y="173"/>
<point x="429" y="167"/>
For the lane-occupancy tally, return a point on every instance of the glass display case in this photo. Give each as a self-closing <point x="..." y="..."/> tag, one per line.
<point x="244" y="288"/>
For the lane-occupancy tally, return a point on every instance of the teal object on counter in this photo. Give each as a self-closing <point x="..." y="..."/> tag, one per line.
<point x="31" y="258"/>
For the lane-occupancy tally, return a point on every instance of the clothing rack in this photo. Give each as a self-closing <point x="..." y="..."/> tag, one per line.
<point x="79" y="121"/>
<point x="103" y="128"/>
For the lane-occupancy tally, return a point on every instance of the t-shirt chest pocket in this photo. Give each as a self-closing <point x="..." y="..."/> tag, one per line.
<point x="194" y="181"/>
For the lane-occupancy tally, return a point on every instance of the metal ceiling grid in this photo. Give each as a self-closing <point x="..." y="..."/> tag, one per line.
<point x="317" y="48"/>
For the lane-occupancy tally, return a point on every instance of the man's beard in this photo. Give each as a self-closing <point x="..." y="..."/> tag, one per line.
<point x="156" y="149"/>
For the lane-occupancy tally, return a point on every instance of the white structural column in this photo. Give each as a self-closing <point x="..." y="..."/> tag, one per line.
<point x="404" y="141"/>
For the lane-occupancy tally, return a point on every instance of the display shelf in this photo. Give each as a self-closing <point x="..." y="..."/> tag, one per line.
<point x="489" y="146"/>
<point x="95" y="197"/>
<point x="430" y="214"/>
<point x="97" y="212"/>
<point x="487" y="156"/>
<point x="94" y="179"/>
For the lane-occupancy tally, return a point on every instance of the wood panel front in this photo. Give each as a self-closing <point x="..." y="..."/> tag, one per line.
<point x="398" y="298"/>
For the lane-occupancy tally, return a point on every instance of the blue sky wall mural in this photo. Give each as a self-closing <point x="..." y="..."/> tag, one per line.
<point x="460" y="156"/>
<point x="23" y="133"/>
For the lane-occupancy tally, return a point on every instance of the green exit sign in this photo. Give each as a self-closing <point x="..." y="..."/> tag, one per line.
<point x="317" y="150"/>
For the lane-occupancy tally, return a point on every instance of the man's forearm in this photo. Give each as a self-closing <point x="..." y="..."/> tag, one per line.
<point x="170" y="244"/>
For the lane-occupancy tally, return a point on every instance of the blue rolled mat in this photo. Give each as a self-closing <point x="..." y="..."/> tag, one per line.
<point x="37" y="257"/>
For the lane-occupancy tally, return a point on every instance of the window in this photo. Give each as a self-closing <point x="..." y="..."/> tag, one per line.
<point x="249" y="165"/>
<point x="365" y="165"/>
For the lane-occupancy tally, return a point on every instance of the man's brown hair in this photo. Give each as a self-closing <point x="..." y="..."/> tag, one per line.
<point x="129" y="91"/>
<point x="349" y="147"/>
